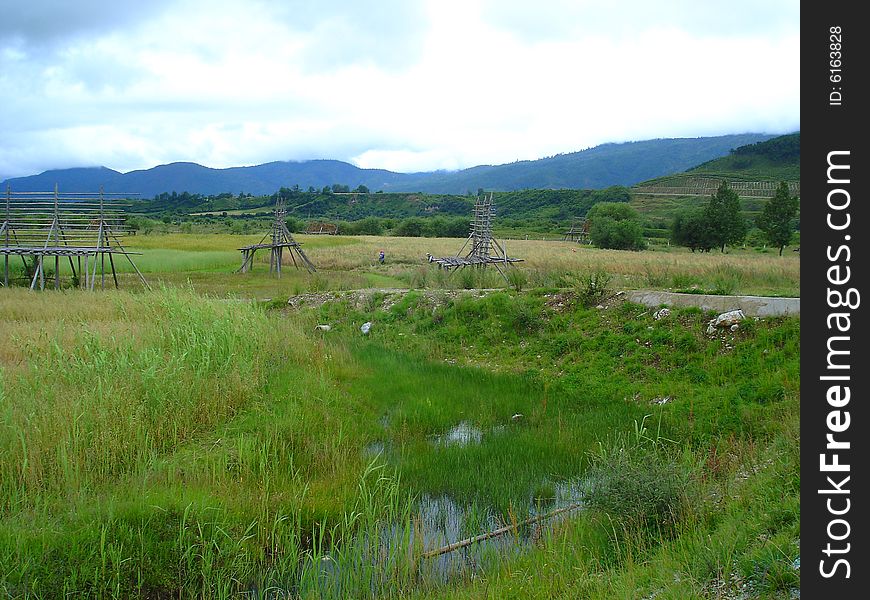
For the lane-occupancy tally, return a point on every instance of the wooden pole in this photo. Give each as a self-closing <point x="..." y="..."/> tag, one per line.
<point x="6" y="226"/>
<point x="497" y="532"/>
<point x="97" y="257"/>
<point x="102" y="234"/>
<point x="114" y="275"/>
<point x="72" y="267"/>
<point x="35" y="274"/>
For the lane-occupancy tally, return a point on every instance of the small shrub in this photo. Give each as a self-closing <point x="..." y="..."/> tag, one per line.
<point x="726" y="279"/>
<point x="638" y="487"/>
<point x="317" y="284"/>
<point x="681" y="280"/>
<point x="517" y="279"/>
<point x="656" y="277"/>
<point x="686" y="342"/>
<point x="524" y="317"/>
<point x="420" y="277"/>
<point x="373" y="301"/>
<point x="594" y="288"/>
<point x="440" y="278"/>
<point x="467" y="279"/>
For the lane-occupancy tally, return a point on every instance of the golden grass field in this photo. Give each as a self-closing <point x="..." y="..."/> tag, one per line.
<point x="207" y="262"/>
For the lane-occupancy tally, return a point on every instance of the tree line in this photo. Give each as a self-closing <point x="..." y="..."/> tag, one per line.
<point x="409" y="227"/>
<point x="720" y="223"/>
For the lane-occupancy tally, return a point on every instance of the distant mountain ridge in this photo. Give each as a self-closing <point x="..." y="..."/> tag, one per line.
<point x="595" y="168"/>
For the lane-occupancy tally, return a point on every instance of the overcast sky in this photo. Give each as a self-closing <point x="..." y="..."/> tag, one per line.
<point x="405" y="85"/>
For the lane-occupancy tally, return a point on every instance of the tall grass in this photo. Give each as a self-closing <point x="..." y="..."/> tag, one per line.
<point x="164" y="444"/>
<point x="84" y="409"/>
<point x="209" y="260"/>
<point x="170" y="458"/>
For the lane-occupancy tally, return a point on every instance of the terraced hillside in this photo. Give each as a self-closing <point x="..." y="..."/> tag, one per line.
<point x="753" y="171"/>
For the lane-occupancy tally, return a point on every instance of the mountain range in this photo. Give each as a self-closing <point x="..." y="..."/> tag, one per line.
<point x="594" y="168"/>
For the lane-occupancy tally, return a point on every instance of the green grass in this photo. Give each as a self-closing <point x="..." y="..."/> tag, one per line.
<point x="167" y="443"/>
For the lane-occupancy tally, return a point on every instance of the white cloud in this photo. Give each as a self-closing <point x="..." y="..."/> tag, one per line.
<point x="409" y="86"/>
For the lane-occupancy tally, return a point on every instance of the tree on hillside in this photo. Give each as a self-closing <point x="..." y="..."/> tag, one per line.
<point x="295" y="225"/>
<point x="615" y="193"/>
<point x="725" y="223"/>
<point x="778" y="217"/>
<point x="615" y="225"/>
<point x="370" y="226"/>
<point x="410" y="227"/>
<point x="690" y="229"/>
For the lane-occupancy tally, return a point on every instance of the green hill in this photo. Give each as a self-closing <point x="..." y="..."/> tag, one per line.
<point x="777" y="159"/>
<point x="754" y="170"/>
<point x="554" y="205"/>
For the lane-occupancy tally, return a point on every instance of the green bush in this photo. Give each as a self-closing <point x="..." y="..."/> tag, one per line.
<point x="523" y="317"/>
<point x="517" y="279"/>
<point x="638" y="486"/>
<point x="594" y="288"/>
<point x="616" y="225"/>
<point x="370" y="226"/>
<point x="467" y="279"/>
<point x="411" y="227"/>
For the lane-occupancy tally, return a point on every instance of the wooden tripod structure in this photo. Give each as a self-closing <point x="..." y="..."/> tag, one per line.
<point x="281" y="239"/>
<point x="485" y="249"/>
<point x="579" y="231"/>
<point x="45" y="225"/>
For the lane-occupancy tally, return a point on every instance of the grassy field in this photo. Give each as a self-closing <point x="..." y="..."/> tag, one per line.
<point x="207" y="263"/>
<point x="190" y="442"/>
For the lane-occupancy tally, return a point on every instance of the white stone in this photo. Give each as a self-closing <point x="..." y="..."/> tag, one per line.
<point x="727" y="319"/>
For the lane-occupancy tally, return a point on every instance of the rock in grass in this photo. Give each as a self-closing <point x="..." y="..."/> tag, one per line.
<point x="726" y="320"/>
<point x="322" y="327"/>
<point x="661" y="314"/>
<point x="366" y="327"/>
